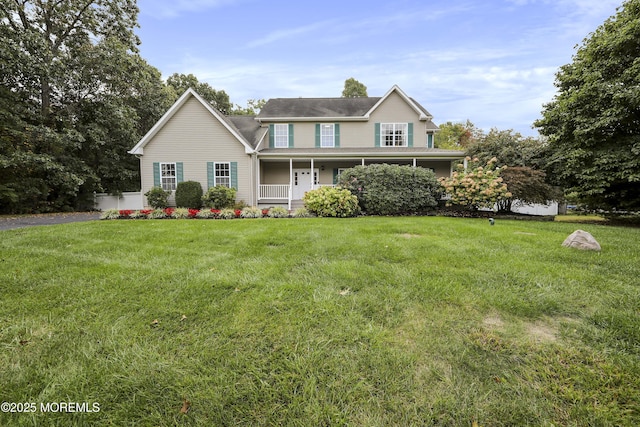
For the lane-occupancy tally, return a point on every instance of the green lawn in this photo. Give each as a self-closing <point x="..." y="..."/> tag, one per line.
<point x="361" y="322"/>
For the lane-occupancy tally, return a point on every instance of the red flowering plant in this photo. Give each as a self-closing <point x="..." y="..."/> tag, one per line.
<point x="169" y="211"/>
<point x="237" y="212"/>
<point x="265" y="212"/>
<point x="124" y="213"/>
<point x="193" y="212"/>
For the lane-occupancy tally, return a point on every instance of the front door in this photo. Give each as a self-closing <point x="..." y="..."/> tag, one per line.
<point x="302" y="182"/>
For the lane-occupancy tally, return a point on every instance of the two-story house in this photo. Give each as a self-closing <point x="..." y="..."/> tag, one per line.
<point x="292" y="146"/>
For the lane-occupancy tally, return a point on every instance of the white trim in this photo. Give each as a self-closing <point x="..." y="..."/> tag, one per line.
<point x="333" y="135"/>
<point x="215" y="175"/>
<point x="175" y="175"/>
<point x="138" y="149"/>
<point x="394" y="130"/>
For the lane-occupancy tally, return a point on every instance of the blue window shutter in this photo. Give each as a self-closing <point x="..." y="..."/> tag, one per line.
<point x="317" y="135"/>
<point x="430" y="140"/>
<point x="211" y="178"/>
<point x="234" y="175"/>
<point x="272" y="136"/>
<point x="336" y="129"/>
<point x="377" y="135"/>
<point x="335" y="176"/>
<point x="156" y="174"/>
<point x="410" y="135"/>
<point x="179" y="172"/>
<point x="290" y="135"/>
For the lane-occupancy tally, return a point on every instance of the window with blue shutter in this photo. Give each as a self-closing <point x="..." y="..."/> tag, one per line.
<point x="156" y="174"/>
<point x="179" y="172"/>
<point x="234" y="175"/>
<point x="290" y="135"/>
<point x="211" y="177"/>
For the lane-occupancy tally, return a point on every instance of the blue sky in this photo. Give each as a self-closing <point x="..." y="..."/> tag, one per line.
<point x="492" y="62"/>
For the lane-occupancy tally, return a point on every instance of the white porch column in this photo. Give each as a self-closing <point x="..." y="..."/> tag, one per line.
<point x="414" y="163"/>
<point x="312" y="183"/>
<point x="363" y="162"/>
<point x="290" y="182"/>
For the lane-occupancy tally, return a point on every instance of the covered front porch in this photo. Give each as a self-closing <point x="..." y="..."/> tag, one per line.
<point x="283" y="181"/>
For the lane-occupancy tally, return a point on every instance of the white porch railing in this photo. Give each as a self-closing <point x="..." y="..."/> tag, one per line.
<point x="277" y="191"/>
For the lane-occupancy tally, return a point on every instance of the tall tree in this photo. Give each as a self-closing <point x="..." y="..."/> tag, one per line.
<point x="353" y="89"/>
<point x="46" y="36"/>
<point x="253" y="108"/>
<point x="74" y="96"/>
<point x="509" y="148"/>
<point x="593" y="123"/>
<point x="457" y="136"/>
<point x="218" y="98"/>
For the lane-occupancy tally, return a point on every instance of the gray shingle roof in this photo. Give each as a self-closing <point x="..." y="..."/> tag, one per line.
<point x="317" y="107"/>
<point x="248" y="127"/>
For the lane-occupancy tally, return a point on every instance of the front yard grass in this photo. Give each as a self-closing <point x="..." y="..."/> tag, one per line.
<point x="364" y="321"/>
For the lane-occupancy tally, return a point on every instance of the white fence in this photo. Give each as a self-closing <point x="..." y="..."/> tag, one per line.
<point x="132" y="201"/>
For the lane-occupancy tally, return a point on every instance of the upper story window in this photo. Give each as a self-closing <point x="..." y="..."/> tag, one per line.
<point x="222" y="174"/>
<point x="327" y="135"/>
<point x="168" y="176"/>
<point x="393" y="134"/>
<point x="281" y="135"/>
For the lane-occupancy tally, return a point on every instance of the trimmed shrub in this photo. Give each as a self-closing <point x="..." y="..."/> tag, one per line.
<point x="250" y="212"/>
<point x="219" y="197"/>
<point x="158" y="198"/>
<point x="330" y="201"/>
<point x="278" y="212"/>
<point x="189" y="194"/>
<point x="384" y="189"/>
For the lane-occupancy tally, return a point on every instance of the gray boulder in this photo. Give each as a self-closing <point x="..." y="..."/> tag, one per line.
<point x="581" y="240"/>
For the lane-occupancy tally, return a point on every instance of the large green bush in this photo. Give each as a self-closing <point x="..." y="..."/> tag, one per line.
<point x="219" y="197"/>
<point x="189" y="194"/>
<point x="330" y="201"/>
<point x="384" y="189"/>
<point x="477" y="186"/>
<point x="158" y="198"/>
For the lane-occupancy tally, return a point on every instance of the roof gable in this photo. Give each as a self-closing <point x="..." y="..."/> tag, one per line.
<point x="138" y="149"/>
<point x="419" y="109"/>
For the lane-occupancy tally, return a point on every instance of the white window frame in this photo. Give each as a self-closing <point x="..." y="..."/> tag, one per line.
<point x="281" y="135"/>
<point x="327" y="140"/>
<point x="396" y="133"/>
<point x="222" y="175"/>
<point x="168" y="176"/>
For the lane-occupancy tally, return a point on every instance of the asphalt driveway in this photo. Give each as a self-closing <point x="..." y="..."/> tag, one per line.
<point x="20" y="221"/>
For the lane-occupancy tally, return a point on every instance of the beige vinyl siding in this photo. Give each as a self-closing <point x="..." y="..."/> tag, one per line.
<point x="194" y="137"/>
<point x="361" y="134"/>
